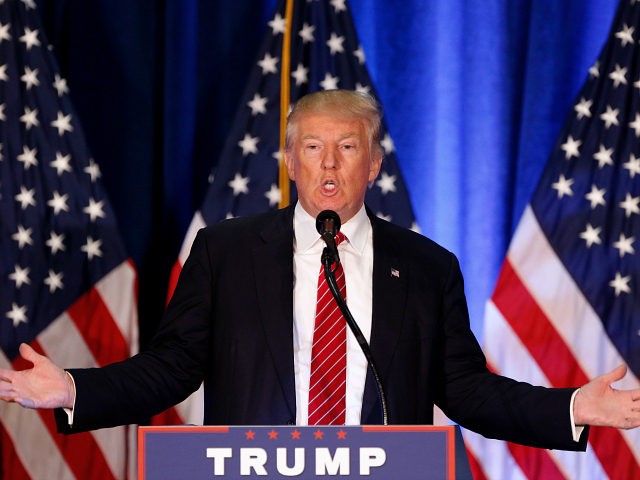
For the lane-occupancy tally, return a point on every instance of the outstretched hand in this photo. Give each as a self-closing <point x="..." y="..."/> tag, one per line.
<point x="44" y="386"/>
<point x="598" y="403"/>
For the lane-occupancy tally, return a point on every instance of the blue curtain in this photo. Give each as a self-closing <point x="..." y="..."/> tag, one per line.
<point x="474" y="94"/>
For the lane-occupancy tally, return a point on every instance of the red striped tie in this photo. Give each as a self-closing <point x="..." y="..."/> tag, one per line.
<point x="327" y="385"/>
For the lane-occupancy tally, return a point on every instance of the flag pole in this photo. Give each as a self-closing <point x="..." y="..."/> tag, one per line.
<point x="283" y="176"/>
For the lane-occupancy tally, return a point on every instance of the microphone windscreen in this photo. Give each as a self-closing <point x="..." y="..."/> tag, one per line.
<point x="328" y="221"/>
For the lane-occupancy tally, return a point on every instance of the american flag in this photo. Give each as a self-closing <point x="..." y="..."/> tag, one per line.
<point x="566" y="307"/>
<point x="324" y="54"/>
<point x="66" y="285"/>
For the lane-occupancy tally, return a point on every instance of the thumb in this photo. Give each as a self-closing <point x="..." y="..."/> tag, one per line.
<point x="614" y="375"/>
<point x="29" y="354"/>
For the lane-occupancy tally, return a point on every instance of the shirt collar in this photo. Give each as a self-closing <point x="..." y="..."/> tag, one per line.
<point x="306" y="236"/>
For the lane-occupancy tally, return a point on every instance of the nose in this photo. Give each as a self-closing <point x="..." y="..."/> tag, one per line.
<point x="329" y="160"/>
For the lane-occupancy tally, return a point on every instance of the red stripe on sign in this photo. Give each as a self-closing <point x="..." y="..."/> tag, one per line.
<point x="557" y="362"/>
<point x="11" y="466"/>
<point x="99" y="330"/>
<point x="81" y="452"/>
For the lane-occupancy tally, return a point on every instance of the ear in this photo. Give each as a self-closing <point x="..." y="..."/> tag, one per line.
<point x="376" y="164"/>
<point x="288" y="160"/>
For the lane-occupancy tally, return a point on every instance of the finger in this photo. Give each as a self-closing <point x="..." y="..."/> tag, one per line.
<point x="29" y="354"/>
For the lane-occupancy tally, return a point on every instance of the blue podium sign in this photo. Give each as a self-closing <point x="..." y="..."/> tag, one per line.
<point x="371" y="452"/>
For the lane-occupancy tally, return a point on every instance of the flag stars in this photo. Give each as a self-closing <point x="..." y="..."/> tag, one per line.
<point x="635" y="125"/>
<point x="338" y="5"/>
<point x="28" y="157"/>
<point x="604" y="156"/>
<point x="17" y="314"/>
<point x="620" y="284"/>
<point x="306" y="33"/>
<point x="4" y="32"/>
<point x="3" y="117"/>
<point x="26" y="197"/>
<point x="619" y="76"/>
<point x="594" y="70"/>
<point x="583" y="108"/>
<point x="274" y="195"/>
<point x="92" y="248"/>
<point x="30" y="38"/>
<point x="610" y="117"/>
<point x="359" y="54"/>
<point x="571" y="147"/>
<point x="94" y="209"/>
<point x="23" y="236"/>
<point x="20" y="276"/>
<point x="258" y="104"/>
<point x="329" y="82"/>
<point x="335" y="44"/>
<point x="591" y="235"/>
<point x="268" y="64"/>
<point x="54" y="281"/>
<point x="62" y="123"/>
<point x="60" y="84"/>
<point x="387" y="144"/>
<point x="300" y="74"/>
<point x="30" y="78"/>
<point x="30" y="118"/>
<point x="625" y="35"/>
<point x="630" y="205"/>
<point x="3" y="73"/>
<point x="278" y="24"/>
<point x="362" y="88"/>
<point x="596" y="196"/>
<point x="239" y="184"/>
<point x="633" y="165"/>
<point x="61" y="163"/>
<point x="59" y="203"/>
<point x="93" y="170"/>
<point x="55" y="243"/>
<point x="248" y="144"/>
<point x="563" y="186"/>
<point x="624" y="245"/>
<point x="387" y="183"/>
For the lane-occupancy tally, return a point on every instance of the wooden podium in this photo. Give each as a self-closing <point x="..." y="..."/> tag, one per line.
<point x="371" y="452"/>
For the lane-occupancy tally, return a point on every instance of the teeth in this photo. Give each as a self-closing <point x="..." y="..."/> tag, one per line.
<point x="329" y="185"/>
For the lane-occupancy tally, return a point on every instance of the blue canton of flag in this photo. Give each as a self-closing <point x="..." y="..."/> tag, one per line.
<point x="66" y="285"/>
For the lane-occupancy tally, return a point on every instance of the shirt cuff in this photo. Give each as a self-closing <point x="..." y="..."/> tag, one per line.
<point x="576" y="430"/>
<point x="69" y="411"/>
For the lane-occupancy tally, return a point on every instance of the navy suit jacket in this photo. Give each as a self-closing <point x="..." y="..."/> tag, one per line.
<point x="230" y="323"/>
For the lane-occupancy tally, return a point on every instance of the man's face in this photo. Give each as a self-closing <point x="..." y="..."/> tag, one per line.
<point x="330" y="160"/>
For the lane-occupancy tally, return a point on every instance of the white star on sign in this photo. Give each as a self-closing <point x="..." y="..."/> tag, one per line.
<point x="329" y="82"/>
<point x="563" y="186"/>
<point x="274" y="195"/>
<point x="258" y="104"/>
<point x="30" y="78"/>
<point x="17" y="314"/>
<point x="239" y="184"/>
<point x="28" y="157"/>
<point x="23" y="236"/>
<point x="30" y="118"/>
<point x="60" y="84"/>
<point x="625" y="35"/>
<point x="249" y="144"/>
<point x="268" y="64"/>
<point x="92" y="248"/>
<point x="633" y="165"/>
<point x="359" y="54"/>
<point x="583" y="108"/>
<point x="26" y="197"/>
<point x="278" y="24"/>
<point x="387" y="144"/>
<point x="610" y="117"/>
<point x="387" y="183"/>
<point x="55" y="243"/>
<point x="624" y="245"/>
<point x="335" y="44"/>
<point x="59" y="203"/>
<point x="306" y="33"/>
<point x="300" y="74"/>
<point x="591" y="235"/>
<point x="93" y="170"/>
<point x="604" y="156"/>
<point x="636" y="125"/>
<point x="94" y="209"/>
<point x="620" y="284"/>
<point x="20" y="276"/>
<point x="62" y="123"/>
<point x="54" y="280"/>
<point x="30" y="38"/>
<point x="61" y="163"/>
<point x="630" y="205"/>
<point x="571" y="148"/>
<point x="596" y="196"/>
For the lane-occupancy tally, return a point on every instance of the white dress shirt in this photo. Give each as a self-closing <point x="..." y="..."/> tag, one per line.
<point x="356" y="256"/>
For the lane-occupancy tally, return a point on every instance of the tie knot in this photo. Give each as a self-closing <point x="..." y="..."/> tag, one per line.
<point x="340" y="238"/>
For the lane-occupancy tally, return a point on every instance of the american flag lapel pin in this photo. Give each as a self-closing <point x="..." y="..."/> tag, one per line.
<point x="395" y="273"/>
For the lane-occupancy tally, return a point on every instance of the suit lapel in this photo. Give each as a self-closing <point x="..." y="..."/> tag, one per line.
<point x="390" y="274"/>
<point x="273" y="269"/>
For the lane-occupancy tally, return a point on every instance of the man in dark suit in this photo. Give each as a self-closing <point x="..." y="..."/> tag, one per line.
<point x="241" y="319"/>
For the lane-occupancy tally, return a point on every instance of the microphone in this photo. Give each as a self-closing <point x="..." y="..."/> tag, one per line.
<point x="328" y="226"/>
